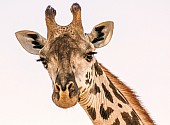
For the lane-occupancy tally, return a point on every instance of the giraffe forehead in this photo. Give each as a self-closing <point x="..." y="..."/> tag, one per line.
<point x="64" y="31"/>
<point x="65" y="45"/>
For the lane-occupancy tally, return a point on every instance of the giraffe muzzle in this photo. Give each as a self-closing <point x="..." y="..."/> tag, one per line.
<point x="65" y="96"/>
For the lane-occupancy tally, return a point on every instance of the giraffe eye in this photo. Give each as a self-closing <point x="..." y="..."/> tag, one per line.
<point x="44" y="62"/>
<point x="89" y="56"/>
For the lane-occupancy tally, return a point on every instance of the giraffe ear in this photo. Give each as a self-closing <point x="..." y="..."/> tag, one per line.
<point x="101" y="34"/>
<point x="31" y="41"/>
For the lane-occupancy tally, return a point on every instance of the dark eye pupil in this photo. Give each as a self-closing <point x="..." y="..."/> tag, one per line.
<point x="89" y="57"/>
<point x="45" y="64"/>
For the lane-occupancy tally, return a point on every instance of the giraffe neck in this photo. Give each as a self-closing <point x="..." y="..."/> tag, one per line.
<point x="105" y="104"/>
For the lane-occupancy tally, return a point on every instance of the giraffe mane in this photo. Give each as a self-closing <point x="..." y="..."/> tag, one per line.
<point x="130" y="96"/>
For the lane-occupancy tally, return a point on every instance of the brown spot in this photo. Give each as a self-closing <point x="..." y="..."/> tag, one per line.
<point x="105" y="114"/>
<point x="87" y="75"/>
<point x="119" y="105"/>
<point x="116" y="122"/>
<point x="130" y="120"/>
<point x="98" y="70"/>
<point x="135" y="117"/>
<point x="87" y="81"/>
<point x="84" y="90"/>
<point x="118" y="95"/>
<point x="127" y="118"/>
<point x="92" y="112"/>
<point x="92" y="67"/>
<point x="95" y="89"/>
<point x="107" y="93"/>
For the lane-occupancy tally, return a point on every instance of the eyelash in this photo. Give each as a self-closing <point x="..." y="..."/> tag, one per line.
<point x="89" y="56"/>
<point x="44" y="62"/>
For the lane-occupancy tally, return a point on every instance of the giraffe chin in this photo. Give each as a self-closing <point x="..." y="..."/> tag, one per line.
<point x="64" y="101"/>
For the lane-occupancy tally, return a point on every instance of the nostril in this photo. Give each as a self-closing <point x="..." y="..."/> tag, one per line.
<point x="57" y="88"/>
<point x="70" y="85"/>
<point x="72" y="90"/>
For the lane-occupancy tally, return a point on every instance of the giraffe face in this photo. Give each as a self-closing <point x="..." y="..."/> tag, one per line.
<point x="67" y="62"/>
<point x="67" y="53"/>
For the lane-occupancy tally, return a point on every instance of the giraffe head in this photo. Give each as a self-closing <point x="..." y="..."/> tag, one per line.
<point x="67" y="53"/>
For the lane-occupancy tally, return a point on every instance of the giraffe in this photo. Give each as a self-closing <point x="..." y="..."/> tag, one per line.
<point x="77" y="77"/>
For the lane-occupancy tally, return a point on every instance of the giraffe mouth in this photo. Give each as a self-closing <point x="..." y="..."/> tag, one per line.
<point x="65" y="99"/>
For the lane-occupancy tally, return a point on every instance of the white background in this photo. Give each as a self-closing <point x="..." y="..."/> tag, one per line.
<point x="139" y="53"/>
